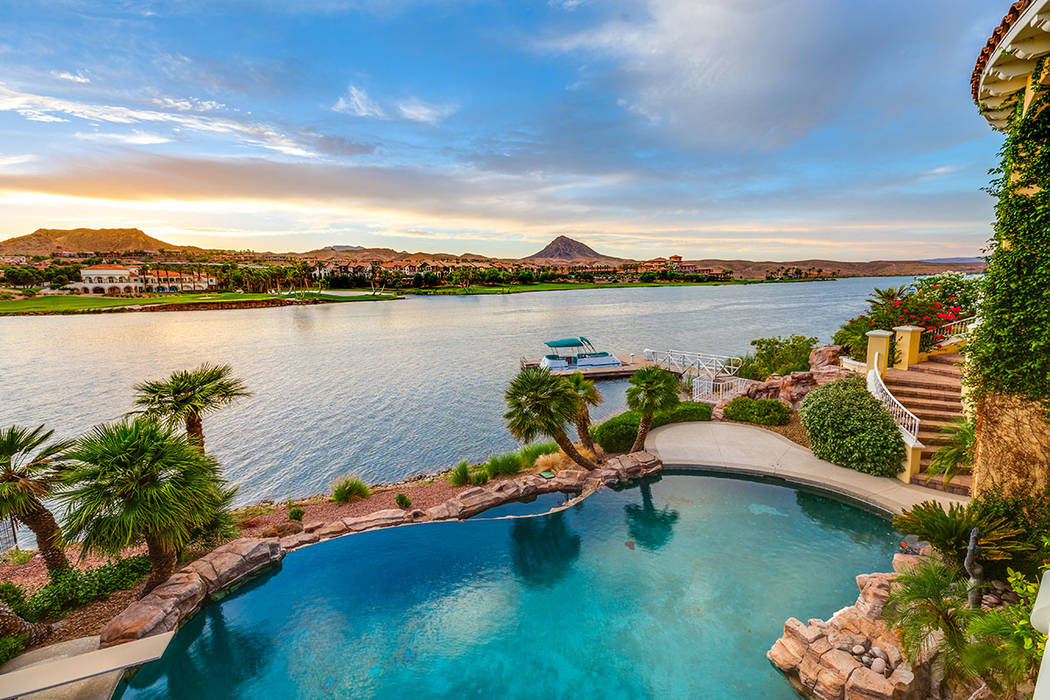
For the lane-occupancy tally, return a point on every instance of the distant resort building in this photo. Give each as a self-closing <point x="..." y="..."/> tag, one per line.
<point x="124" y="279"/>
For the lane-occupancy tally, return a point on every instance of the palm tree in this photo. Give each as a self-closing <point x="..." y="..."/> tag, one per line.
<point x="12" y="625"/>
<point x="539" y="403"/>
<point x="140" y="480"/>
<point x="956" y="453"/>
<point x="28" y="471"/>
<point x="187" y="395"/>
<point x="651" y="390"/>
<point x="587" y="395"/>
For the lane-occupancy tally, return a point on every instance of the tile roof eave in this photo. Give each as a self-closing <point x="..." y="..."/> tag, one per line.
<point x="1016" y="10"/>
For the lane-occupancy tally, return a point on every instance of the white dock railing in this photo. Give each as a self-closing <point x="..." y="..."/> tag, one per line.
<point x="716" y="388"/>
<point x="907" y="421"/>
<point x="697" y="362"/>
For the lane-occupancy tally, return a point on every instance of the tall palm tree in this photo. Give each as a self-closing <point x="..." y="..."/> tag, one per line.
<point x="539" y="403"/>
<point x="652" y="389"/>
<point x="12" y="625"/>
<point x="139" y="481"/>
<point x="187" y="395"/>
<point x="28" y="470"/>
<point x="588" y="395"/>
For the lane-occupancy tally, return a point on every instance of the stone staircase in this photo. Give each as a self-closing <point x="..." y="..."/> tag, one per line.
<point x="932" y="390"/>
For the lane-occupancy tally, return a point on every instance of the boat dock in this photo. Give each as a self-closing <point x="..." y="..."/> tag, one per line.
<point x="629" y="365"/>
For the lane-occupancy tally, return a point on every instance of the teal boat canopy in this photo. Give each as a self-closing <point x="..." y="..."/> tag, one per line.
<point x="568" y="343"/>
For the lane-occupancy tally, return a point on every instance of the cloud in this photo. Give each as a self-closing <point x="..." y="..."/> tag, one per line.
<point x="6" y="161"/>
<point x="357" y="102"/>
<point x="135" y="138"/>
<point x="418" y="111"/>
<point x="76" y="78"/>
<point x="188" y="104"/>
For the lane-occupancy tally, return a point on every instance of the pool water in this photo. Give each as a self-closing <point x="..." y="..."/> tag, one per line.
<point x="675" y="588"/>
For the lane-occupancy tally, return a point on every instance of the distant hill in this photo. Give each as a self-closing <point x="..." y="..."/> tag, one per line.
<point x="750" y="269"/>
<point x="564" y="249"/>
<point x="954" y="260"/>
<point x="46" y="241"/>
<point x="342" y="248"/>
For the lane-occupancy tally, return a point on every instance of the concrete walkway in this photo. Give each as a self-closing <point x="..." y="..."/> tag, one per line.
<point x="744" y="449"/>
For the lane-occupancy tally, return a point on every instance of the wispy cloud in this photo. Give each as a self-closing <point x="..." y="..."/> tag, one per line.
<point x="357" y="102"/>
<point x="77" y="77"/>
<point x="136" y="137"/>
<point x="6" y="161"/>
<point x="419" y="111"/>
<point x="188" y="104"/>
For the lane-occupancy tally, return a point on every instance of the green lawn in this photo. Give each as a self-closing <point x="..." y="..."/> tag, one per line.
<point x="72" y="304"/>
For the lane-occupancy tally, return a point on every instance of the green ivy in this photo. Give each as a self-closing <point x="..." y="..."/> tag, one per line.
<point x="1009" y="352"/>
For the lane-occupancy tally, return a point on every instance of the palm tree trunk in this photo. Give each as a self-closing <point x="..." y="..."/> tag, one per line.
<point x="11" y="625"/>
<point x="583" y="427"/>
<point x="570" y="450"/>
<point x="162" y="561"/>
<point x="195" y="429"/>
<point x="48" y="536"/>
<point x="643" y="431"/>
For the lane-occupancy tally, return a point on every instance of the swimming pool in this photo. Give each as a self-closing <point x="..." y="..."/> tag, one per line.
<point x="673" y="589"/>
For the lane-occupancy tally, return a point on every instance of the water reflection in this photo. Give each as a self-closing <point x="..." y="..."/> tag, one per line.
<point x="836" y="516"/>
<point x="650" y="527"/>
<point x="543" y="549"/>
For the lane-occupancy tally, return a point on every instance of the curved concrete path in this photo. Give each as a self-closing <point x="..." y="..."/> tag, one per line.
<point x="745" y="449"/>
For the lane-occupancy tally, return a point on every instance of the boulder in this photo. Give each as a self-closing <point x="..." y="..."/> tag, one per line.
<point x="824" y="356"/>
<point x="283" y="529"/>
<point x="443" y="511"/>
<point x="380" y="518"/>
<point x="838" y="666"/>
<point x="866" y="684"/>
<point x="314" y="526"/>
<point x="332" y="529"/>
<point x="507" y="490"/>
<point x="790" y="389"/>
<point x="298" y="540"/>
<point x="569" y="480"/>
<point x="874" y="589"/>
<point x="475" y="500"/>
<point x="786" y="655"/>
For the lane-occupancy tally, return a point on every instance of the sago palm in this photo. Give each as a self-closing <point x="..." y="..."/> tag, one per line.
<point x="651" y="390"/>
<point x="539" y="403"/>
<point x="29" y="467"/>
<point x="187" y="395"/>
<point x="587" y="395"/>
<point x="138" y="481"/>
<point x="956" y="454"/>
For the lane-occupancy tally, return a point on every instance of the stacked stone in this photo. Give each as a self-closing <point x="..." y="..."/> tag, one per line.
<point x="852" y="656"/>
<point x="998" y="595"/>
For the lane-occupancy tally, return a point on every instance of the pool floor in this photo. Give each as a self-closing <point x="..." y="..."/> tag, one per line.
<point x="672" y="589"/>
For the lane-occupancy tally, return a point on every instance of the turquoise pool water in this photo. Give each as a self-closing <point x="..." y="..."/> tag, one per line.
<point x="672" y="589"/>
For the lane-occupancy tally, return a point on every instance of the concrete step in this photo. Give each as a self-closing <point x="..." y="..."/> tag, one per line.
<point x="937" y="368"/>
<point x="916" y="403"/>
<point x="947" y="358"/>
<point x="922" y="380"/>
<point x="928" y="415"/>
<point x="961" y="484"/>
<point x="925" y="394"/>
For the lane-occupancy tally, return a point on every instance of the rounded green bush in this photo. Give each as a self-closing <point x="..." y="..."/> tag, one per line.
<point x="296" y="514"/>
<point x="402" y="500"/>
<point x="617" y="434"/>
<point x="684" y="412"/>
<point x="770" y="412"/>
<point x="741" y="408"/>
<point x="849" y="427"/>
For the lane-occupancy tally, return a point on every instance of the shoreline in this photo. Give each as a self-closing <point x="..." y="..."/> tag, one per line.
<point x="205" y="305"/>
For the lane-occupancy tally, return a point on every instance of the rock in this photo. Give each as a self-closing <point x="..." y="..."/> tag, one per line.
<point x="475" y="500"/>
<point x="569" y="479"/>
<point x="314" y="526"/>
<point x="903" y="681"/>
<point x="527" y="487"/>
<point x="824" y="356"/>
<point x="184" y="590"/>
<point x="866" y="684"/>
<point x="879" y="653"/>
<point x="878" y="666"/>
<point x="874" y="589"/>
<point x="809" y="668"/>
<point x="838" y="667"/>
<point x="332" y="529"/>
<point x="160" y="611"/>
<point x="298" y="540"/>
<point x="826" y="375"/>
<point x="380" y="518"/>
<point x="785" y="655"/>
<point x="443" y="511"/>
<point x="858" y="650"/>
<point x="283" y="529"/>
<point x="866" y="659"/>
<point x="416" y="514"/>
<point x="816" y="622"/>
<point x="507" y="490"/>
<point x="903" y="562"/>
<point x="794" y="627"/>
<point x="790" y="389"/>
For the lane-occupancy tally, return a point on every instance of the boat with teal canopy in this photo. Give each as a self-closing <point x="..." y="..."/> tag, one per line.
<point x="576" y="353"/>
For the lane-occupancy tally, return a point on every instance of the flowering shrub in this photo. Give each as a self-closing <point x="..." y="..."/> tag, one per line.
<point x="899" y="306"/>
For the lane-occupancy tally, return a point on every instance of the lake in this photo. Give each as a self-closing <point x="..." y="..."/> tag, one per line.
<point x="382" y="390"/>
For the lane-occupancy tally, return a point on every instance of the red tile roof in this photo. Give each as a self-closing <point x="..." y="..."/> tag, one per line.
<point x="105" y="267"/>
<point x="990" y="47"/>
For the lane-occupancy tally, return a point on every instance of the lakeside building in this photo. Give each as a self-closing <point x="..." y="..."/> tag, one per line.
<point x="109" y="278"/>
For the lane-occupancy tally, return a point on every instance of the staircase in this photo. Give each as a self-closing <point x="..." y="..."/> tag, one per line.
<point x="932" y="390"/>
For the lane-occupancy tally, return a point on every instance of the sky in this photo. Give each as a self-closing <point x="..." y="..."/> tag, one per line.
<point x="766" y="129"/>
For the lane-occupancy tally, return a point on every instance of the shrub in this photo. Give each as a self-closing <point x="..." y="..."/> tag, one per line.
<point x="296" y="514"/>
<point x="741" y="408"/>
<point x="479" y="478"/>
<point x="777" y="355"/>
<point x="848" y="426"/>
<point x="503" y="465"/>
<point x="460" y="474"/>
<point x="72" y="588"/>
<point x="770" y="412"/>
<point x="530" y="452"/>
<point x="685" y="411"/>
<point x="10" y="647"/>
<point x="949" y="532"/>
<point x="1030" y="514"/>
<point x="350" y="489"/>
<point x="957" y="452"/>
<point x="402" y="500"/>
<point x="618" y="433"/>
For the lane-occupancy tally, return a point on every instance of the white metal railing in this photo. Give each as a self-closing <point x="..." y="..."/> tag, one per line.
<point x="907" y="421"/>
<point x="716" y="388"/>
<point x="698" y="362"/>
<point x="953" y="330"/>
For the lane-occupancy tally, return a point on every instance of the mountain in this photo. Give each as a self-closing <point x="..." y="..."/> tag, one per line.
<point x="342" y="248"/>
<point x="564" y="249"/>
<point x="954" y="260"/>
<point x="47" y="241"/>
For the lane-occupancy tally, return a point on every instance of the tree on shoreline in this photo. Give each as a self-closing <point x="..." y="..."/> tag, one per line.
<point x="187" y="395"/>
<point x="587" y="395"/>
<point x="539" y="403"/>
<point x="140" y="481"/>
<point x="29" y="469"/>
<point x="651" y="390"/>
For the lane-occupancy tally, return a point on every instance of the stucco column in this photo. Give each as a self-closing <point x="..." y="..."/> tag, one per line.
<point x="878" y="344"/>
<point x="907" y="346"/>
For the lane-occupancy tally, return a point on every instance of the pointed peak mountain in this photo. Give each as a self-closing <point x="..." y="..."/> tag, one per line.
<point x="566" y="249"/>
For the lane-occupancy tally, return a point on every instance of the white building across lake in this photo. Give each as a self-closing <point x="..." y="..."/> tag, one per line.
<point x="125" y="279"/>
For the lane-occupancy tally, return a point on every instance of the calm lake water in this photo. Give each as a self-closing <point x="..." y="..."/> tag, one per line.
<point x="379" y="389"/>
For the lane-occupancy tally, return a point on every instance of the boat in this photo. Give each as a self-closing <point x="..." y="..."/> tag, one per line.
<point x="576" y="354"/>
